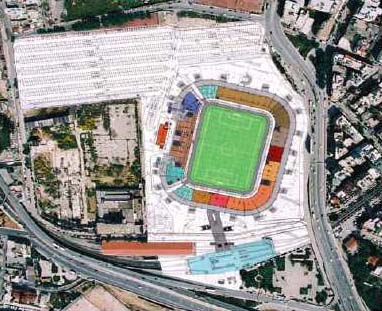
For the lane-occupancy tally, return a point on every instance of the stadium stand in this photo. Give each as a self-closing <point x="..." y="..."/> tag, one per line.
<point x="184" y="192"/>
<point x="208" y="91"/>
<point x="275" y="153"/>
<point x="190" y="103"/>
<point x="182" y="139"/>
<point x="173" y="173"/>
<point x="218" y="200"/>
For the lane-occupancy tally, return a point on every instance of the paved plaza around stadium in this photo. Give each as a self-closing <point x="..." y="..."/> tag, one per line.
<point x="228" y="148"/>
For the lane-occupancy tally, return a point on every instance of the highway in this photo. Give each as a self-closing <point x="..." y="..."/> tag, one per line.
<point x="330" y="256"/>
<point x="101" y="271"/>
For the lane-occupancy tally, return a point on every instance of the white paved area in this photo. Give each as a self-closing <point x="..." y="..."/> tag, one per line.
<point x="86" y="67"/>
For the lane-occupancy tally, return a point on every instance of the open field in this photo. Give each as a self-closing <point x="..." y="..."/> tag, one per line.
<point x="228" y="148"/>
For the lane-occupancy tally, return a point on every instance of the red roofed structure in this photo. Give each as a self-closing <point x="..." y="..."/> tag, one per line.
<point x="125" y="248"/>
<point x="162" y="135"/>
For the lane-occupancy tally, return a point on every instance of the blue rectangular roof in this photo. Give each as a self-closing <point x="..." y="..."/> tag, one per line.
<point x="237" y="258"/>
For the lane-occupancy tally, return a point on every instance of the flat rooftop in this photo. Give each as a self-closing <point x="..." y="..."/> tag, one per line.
<point x="85" y="67"/>
<point x="239" y="257"/>
<point x="228" y="148"/>
<point x="125" y="248"/>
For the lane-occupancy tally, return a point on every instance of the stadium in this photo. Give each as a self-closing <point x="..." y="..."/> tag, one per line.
<point x="229" y="148"/>
<point x="223" y="135"/>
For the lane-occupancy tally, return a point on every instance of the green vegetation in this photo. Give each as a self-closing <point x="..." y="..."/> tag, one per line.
<point x="115" y="175"/>
<point x="78" y="9"/>
<point x="221" y="160"/>
<point x="61" y="299"/>
<point x="87" y="23"/>
<point x="323" y="62"/>
<point x="353" y="6"/>
<point x="321" y="297"/>
<point x="320" y="279"/>
<point x="86" y="8"/>
<point x="319" y="19"/>
<point x="280" y="7"/>
<point x="56" y="278"/>
<point x="45" y="175"/>
<point x="119" y="18"/>
<point x="261" y="277"/>
<point x="308" y="264"/>
<point x="64" y="138"/>
<point x="46" y="206"/>
<point x="217" y="18"/>
<point x="303" y="44"/>
<point x="280" y="263"/>
<point x="51" y="30"/>
<point x="87" y="116"/>
<point x="355" y="41"/>
<point x="368" y="286"/>
<point x="304" y="290"/>
<point x="54" y="268"/>
<point x="6" y="128"/>
<point x="87" y="144"/>
<point x="136" y="169"/>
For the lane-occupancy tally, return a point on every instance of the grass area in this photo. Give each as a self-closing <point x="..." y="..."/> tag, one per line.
<point x="6" y="128"/>
<point x="303" y="44"/>
<point x="229" y="148"/>
<point x="217" y="18"/>
<point x="79" y="9"/>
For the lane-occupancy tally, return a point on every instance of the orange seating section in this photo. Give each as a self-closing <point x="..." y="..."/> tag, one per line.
<point x="182" y="140"/>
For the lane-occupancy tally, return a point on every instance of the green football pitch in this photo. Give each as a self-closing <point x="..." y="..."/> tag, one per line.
<point x="228" y="148"/>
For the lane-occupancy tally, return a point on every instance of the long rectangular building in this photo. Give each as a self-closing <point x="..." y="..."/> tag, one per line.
<point x="124" y="248"/>
<point x="86" y="67"/>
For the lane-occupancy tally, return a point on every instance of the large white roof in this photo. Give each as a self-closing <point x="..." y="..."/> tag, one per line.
<point x="85" y="67"/>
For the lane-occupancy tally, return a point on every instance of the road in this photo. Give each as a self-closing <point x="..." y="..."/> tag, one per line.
<point x="330" y="256"/>
<point x="101" y="271"/>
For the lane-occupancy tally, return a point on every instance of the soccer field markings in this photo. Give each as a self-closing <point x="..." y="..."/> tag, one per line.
<point x="238" y="133"/>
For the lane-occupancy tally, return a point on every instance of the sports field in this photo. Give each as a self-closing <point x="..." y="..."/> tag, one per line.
<point x="228" y="148"/>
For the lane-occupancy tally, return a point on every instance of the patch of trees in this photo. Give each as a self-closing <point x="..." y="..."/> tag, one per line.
<point x="6" y="129"/>
<point x="217" y="18"/>
<point x="323" y="62"/>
